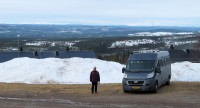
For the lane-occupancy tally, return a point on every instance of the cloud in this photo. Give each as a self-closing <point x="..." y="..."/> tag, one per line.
<point x="134" y="12"/>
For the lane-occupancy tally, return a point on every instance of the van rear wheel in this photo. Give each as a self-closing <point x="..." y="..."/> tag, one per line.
<point x="168" y="81"/>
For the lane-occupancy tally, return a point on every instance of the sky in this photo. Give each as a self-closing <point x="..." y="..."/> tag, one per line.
<point x="102" y="12"/>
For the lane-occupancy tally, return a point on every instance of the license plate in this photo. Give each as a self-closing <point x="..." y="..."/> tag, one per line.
<point x="136" y="87"/>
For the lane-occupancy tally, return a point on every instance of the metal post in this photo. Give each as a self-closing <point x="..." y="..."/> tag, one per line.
<point x="18" y="44"/>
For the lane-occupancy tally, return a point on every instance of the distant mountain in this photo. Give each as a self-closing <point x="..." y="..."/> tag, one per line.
<point x="82" y="31"/>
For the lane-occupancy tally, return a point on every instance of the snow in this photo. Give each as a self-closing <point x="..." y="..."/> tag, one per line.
<point x="171" y="40"/>
<point x="71" y="31"/>
<point x="186" y="71"/>
<point x="55" y="70"/>
<point x="4" y="31"/>
<point x="53" y="43"/>
<point x="185" y="33"/>
<point x="131" y="43"/>
<point x="38" y="43"/>
<point x="159" y="33"/>
<point x="177" y="43"/>
<point x="77" y="71"/>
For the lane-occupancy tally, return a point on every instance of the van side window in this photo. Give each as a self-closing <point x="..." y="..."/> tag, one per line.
<point x="168" y="60"/>
<point x="160" y="63"/>
<point x="164" y="61"/>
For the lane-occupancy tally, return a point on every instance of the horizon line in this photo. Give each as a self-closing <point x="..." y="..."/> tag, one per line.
<point x="96" y="24"/>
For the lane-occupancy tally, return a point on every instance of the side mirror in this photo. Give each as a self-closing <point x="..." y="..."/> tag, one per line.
<point x="157" y="70"/>
<point x="123" y="69"/>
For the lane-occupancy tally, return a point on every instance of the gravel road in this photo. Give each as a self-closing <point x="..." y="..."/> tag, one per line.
<point x="176" y="95"/>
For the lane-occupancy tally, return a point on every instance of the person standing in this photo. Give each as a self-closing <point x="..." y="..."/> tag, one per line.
<point x="94" y="79"/>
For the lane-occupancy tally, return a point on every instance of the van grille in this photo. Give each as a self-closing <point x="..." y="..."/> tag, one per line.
<point x="135" y="82"/>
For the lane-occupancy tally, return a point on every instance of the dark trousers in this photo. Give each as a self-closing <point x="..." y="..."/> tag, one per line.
<point x="94" y="86"/>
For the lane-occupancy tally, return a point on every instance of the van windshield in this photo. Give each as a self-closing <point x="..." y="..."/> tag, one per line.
<point x="140" y="65"/>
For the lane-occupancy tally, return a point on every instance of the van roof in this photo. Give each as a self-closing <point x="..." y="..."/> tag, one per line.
<point x="148" y="55"/>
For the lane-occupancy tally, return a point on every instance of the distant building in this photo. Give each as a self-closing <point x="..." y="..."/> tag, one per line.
<point x="6" y="56"/>
<point x="191" y="55"/>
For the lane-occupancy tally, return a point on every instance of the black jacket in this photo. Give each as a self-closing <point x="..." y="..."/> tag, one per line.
<point x="94" y="76"/>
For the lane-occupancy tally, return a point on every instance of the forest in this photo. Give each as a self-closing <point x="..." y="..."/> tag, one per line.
<point x="113" y="43"/>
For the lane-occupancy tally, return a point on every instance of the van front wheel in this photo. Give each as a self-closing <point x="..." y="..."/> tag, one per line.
<point x="125" y="91"/>
<point x="155" y="90"/>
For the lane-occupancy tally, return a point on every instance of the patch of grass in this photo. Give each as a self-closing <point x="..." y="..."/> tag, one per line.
<point x="82" y="89"/>
<point x="55" y="88"/>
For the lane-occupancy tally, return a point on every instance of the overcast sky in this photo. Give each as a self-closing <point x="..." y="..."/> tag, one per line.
<point x="102" y="12"/>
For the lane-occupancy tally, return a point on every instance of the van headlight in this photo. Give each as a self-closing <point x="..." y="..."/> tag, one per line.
<point x="125" y="75"/>
<point x="150" y="75"/>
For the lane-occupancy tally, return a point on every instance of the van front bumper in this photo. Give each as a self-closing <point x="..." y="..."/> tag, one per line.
<point x="138" y="84"/>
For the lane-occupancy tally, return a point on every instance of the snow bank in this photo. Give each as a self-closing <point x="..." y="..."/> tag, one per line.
<point x="186" y="71"/>
<point x="54" y="70"/>
<point x="77" y="71"/>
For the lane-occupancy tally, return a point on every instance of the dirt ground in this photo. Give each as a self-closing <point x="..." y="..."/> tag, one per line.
<point x="176" y="95"/>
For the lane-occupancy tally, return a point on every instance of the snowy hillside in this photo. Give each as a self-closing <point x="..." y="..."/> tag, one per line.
<point x="132" y="43"/>
<point x="128" y="43"/>
<point x="77" y="71"/>
<point x="160" y="33"/>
